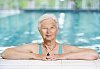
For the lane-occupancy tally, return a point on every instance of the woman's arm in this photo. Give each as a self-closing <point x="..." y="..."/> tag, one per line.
<point x="12" y="53"/>
<point x="21" y="52"/>
<point x="78" y="53"/>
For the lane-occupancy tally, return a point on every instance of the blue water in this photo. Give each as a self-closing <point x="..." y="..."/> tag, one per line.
<point x="75" y="28"/>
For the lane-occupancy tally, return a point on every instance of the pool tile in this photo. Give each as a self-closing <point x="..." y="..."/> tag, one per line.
<point x="13" y="67"/>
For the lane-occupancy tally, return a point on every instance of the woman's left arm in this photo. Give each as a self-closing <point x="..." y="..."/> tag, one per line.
<point x="78" y="53"/>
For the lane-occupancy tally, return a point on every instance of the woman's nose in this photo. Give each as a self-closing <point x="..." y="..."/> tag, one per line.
<point x="48" y="30"/>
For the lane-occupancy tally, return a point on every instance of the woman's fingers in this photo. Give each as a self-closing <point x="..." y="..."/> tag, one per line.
<point x="49" y="58"/>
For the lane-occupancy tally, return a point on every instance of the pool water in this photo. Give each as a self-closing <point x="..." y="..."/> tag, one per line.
<point x="75" y="28"/>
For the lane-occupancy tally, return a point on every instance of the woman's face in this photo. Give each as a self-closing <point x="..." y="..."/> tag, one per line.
<point x="48" y="29"/>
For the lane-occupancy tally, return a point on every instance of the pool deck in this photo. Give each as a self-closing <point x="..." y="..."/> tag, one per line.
<point x="59" y="64"/>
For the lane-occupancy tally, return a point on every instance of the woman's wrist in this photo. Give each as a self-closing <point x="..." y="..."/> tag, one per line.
<point x="59" y="56"/>
<point x="36" y="56"/>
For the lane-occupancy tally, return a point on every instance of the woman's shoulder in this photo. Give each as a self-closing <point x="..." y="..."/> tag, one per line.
<point x="33" y="44"/>
<point x="68" y="47"/>
<point x="34" y="47"/>
<point x="29" y="45"/>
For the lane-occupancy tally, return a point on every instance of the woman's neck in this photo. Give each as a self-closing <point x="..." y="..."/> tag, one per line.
<point x="49" y="43"/>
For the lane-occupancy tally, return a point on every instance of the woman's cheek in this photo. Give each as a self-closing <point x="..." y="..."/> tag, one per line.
<point x="43" y="34"/>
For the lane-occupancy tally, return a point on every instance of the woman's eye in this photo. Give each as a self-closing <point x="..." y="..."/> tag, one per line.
<point x="44" y="28"/>
<point x="52" y="27"/>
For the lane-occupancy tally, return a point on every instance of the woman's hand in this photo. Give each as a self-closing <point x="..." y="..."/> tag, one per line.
<point x="51" y="57"/>
<point x="59" y="56"/>
<point x="48" y="58"/>
<point x="44" y="57"/>
<point x="40" y="57"/>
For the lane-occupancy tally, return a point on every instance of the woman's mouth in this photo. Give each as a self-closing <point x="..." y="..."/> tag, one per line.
<point x="48" y="35"/>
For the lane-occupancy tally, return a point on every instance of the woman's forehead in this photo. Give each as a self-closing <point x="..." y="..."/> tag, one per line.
<point x="48" y="22"/>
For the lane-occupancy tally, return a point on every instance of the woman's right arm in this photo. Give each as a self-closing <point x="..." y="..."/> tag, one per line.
<point x="22" y="52"/>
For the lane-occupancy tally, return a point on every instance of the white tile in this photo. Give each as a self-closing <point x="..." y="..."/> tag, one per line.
<point x="13" y="67"/>
<point x="78" y="67"/>
<point x="13" y="62"/>
<point x="40" y="62"/>
<point x="98" y="68"/>
<point x="44" y="67"/>
<point x="77" y="63"/>
<point x="97" y="62"/>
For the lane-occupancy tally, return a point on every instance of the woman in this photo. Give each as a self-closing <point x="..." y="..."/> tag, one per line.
<point x="49" y="49"/>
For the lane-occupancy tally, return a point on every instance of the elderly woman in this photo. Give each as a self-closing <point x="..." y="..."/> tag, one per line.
<point x="49" y="49"/>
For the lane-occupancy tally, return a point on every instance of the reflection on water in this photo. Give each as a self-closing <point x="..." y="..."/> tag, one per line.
<point x="76" y="28"/>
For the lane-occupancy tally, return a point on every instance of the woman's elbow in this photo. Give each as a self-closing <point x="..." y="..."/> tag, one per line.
<point x="93" y="56"/>
<point x="5" y="53"/>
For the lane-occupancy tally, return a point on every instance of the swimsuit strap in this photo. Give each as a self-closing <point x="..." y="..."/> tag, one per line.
<point x="40" y="48"/>
<point x="60" y="49"/>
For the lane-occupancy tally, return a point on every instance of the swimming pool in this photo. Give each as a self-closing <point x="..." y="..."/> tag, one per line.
<point x="78" y="28"/>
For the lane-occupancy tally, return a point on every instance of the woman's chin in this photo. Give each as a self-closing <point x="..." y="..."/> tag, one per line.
<point x="48" y="39"/>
